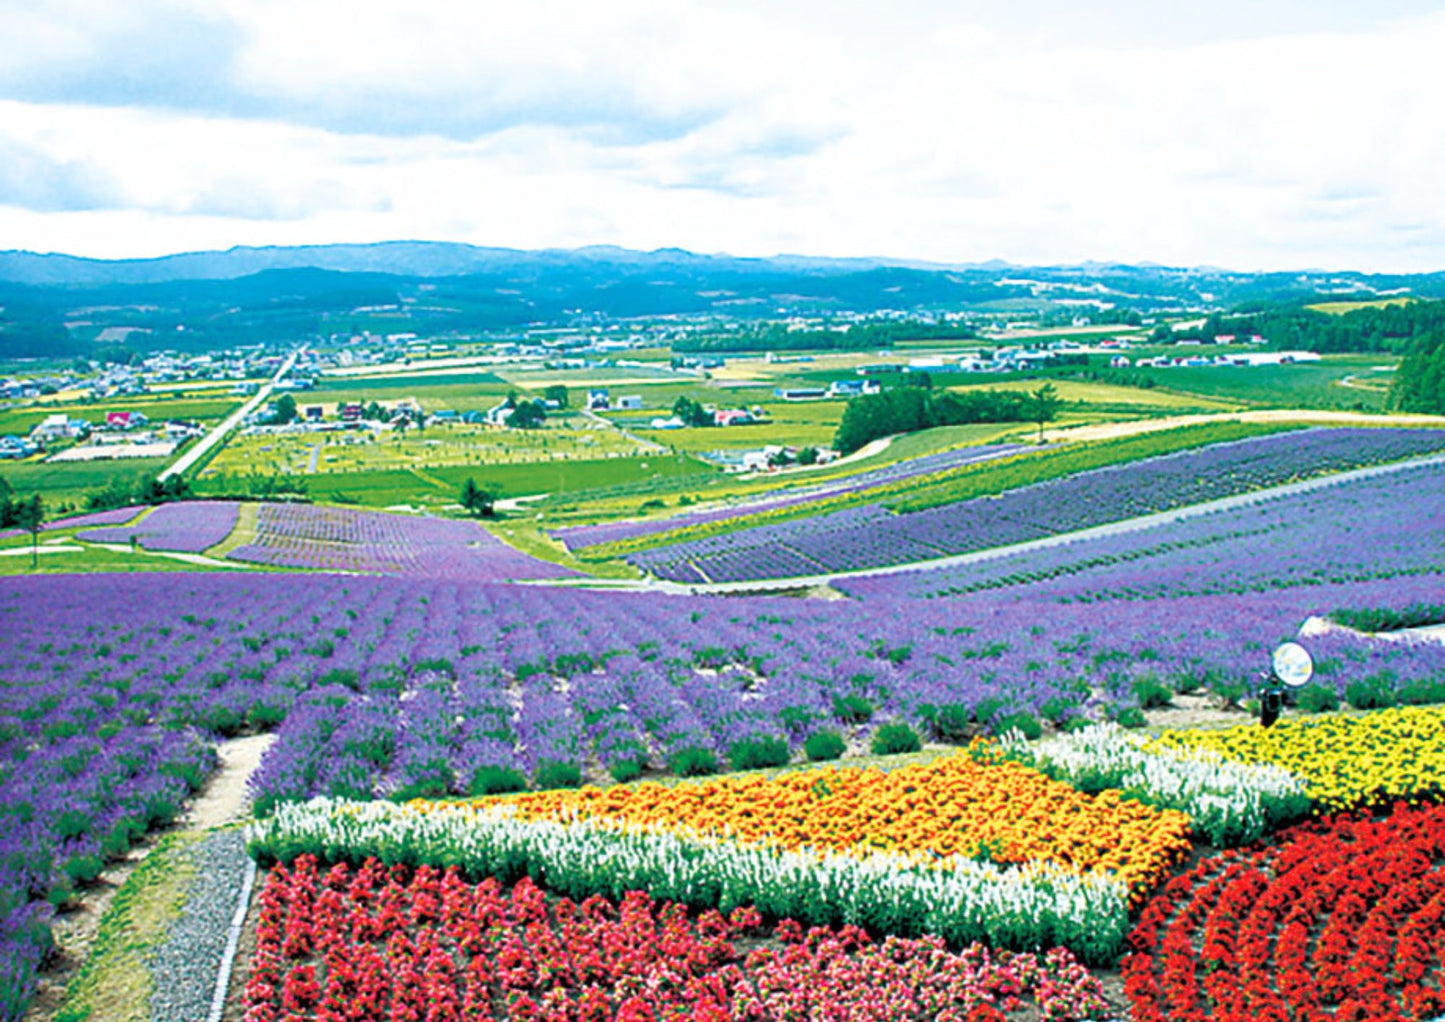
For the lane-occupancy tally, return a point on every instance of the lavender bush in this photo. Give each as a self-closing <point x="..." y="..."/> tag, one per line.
<point x="187" y="527"/>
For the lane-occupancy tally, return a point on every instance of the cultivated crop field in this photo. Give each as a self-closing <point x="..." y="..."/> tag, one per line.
<point x="1015" y="787"/>
<point x="312" y="452"/>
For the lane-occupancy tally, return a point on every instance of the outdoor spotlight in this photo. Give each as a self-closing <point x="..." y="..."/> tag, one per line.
<point x="1291" y="668"/>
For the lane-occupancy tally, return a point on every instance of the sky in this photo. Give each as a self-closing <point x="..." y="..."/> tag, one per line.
<point x="1249" y="134"/>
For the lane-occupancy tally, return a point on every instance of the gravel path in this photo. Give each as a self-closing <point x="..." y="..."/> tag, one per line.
<point x="184" y="966"/>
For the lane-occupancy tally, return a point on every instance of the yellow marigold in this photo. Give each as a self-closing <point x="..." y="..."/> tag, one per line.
<point x="1346" y="761"/>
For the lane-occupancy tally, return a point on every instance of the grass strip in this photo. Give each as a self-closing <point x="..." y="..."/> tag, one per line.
<point x="114" y="985"/>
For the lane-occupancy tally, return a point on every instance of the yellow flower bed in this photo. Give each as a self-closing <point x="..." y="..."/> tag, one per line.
<point x="950" y="806"/>
<point x="1345" y="761"/>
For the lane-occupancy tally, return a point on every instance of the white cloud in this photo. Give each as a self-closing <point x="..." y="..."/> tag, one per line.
<point x="943" y="131"/>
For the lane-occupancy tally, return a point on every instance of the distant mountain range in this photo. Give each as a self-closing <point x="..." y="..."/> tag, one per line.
<point x="398" y="258"/>
<point x="61" y="304"/>
<point x="428" y="259"/>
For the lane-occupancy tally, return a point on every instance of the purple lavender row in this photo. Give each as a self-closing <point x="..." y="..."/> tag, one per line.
<point x="863" y="538"/>
<point x="117" y="516"/>
<point x="398" y="686"/>
<point x="1365" y="529"/>
<point x="187" y="527"/>
<point x="580" y="536"/>
<point x="345" y="539"/>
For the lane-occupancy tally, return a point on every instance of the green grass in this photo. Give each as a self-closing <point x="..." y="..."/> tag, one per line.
<point x="1340" y="308"/>
<point x="115" y="985"/>
<point x="404" y="383"/>
<point x="1304" y="385"/>
<point x="443" y="484"/>
<point x="70" y="481"/>
<point x="88" y="560"/>
<point x="23" y="418"/>
<point x="526" y="535"/>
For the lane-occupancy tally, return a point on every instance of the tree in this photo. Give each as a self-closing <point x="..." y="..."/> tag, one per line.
<point x="691" y="412"/>
<point x="30" y="516"/>
<point x="527" y="415"/>
<point x="285" y="410"/>
<point x="1420" y="381"/>
<point x="556" y="392"/>
<point x="477" y="501"/>
<point x="1044" y="406"/>
<point x="808" y="456"/>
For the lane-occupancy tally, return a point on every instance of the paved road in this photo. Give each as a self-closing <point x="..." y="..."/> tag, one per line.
<point x="183" y="464"/>
<point x="1111" y="529"/>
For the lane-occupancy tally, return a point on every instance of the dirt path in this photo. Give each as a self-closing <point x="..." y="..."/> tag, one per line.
<point x="223" y="800"/>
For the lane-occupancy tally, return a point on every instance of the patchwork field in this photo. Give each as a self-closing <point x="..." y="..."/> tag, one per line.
<point x="1019" y="785"/>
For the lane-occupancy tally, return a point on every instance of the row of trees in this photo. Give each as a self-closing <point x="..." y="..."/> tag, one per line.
<point x="1419" y="384"/>
<point x="1392" y="328"/>
<point x="854" y="337"/>
<point x="908" y="409"/>
<point x="148" y="489"/>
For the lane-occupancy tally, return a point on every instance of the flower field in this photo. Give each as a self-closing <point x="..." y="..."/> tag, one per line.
<point x="874" y="536"/>
<point x="579" y="537"/>
<point x="383" y="691"/>
<point x="188" y="527"/>
<point x="1337" y="919"/>
<point x="961" y="900"/>
<point x="344" y="539"/>
<point x="969" y="805"/>
<point x="1385" y="527"/>
<point x="1345" y="762"/>
<point x="372" y="942"/>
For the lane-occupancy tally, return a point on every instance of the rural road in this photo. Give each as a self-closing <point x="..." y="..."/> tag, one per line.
<point x="183" y="464"/>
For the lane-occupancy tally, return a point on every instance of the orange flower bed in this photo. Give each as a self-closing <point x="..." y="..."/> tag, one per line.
<point x="954" y="805"/>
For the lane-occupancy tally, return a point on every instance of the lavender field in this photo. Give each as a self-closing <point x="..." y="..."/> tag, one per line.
<point x="343" y="539"/>
<point x="187" y="527"/>
<point x="582" y="536"/>
<point x="1388" y="527"/>
<point x="117" y="687"/>
<point x="873" y="536"/>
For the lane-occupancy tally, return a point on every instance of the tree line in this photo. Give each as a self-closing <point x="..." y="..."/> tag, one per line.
<point x="908" y="409"/>
<point x="1419" y="384"/>
<point x="1388" y="328"/>
<point x="854" y="337"/>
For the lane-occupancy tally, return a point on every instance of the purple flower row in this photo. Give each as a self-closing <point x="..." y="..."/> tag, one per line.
<point x="872" y="537"/>
<point x="1375" y="528"/>
<point x="186" y="527"/>
<point x="345" y="539"/>
<point x="580" y="536"/>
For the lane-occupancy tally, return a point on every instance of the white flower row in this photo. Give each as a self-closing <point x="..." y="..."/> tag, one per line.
<point x="1229" y="802"/>
<point x="1025" y="907"/>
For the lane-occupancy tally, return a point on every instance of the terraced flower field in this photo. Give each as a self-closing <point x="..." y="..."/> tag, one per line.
<point x="435" y="737"/>
<point x="875" y="535"/>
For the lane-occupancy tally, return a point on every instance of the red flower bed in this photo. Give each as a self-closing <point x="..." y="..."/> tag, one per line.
<point x="1338" y="919"/>
<point x="395" y="945"/>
